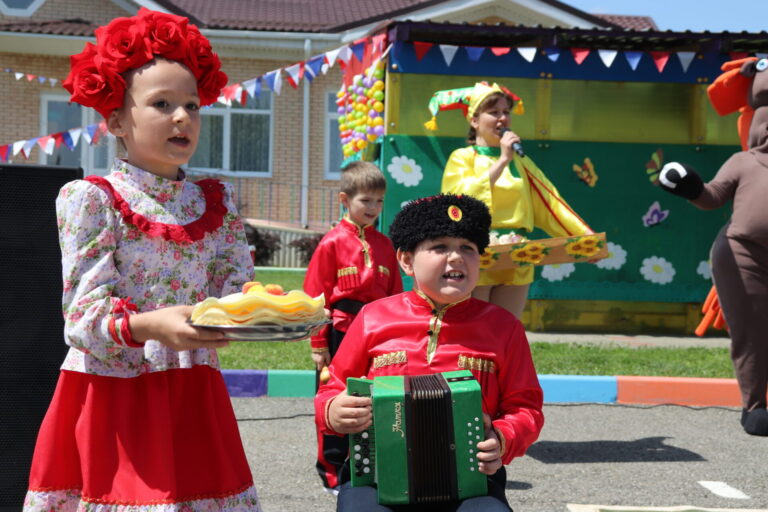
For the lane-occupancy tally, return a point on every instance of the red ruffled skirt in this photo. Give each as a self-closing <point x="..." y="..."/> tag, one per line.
<point x="162" y="438"/>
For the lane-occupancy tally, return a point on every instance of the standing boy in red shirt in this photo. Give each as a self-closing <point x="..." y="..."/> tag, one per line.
<point x="353" y="264"/>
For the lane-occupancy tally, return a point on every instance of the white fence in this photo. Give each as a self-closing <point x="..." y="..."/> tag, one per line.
<point x="287" y="256"/>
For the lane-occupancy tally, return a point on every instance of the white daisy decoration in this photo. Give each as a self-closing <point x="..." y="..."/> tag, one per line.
<point x="657" y="270"/>
<point x="405" y="171"/>
<point x="557" y="272"/>
<point x="617" y="257"/>
<point x="704" y="270"/>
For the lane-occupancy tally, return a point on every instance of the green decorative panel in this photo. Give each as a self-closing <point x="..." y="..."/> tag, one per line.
<point x="622" y="196"/>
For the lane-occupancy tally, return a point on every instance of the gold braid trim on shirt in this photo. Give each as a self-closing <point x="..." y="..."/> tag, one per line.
<point x="346" y="271"/>
<point x="476" y="363"/>
<point x="390" y="359"/>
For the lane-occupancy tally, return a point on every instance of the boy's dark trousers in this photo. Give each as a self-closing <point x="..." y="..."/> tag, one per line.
<point x="331" y="450"/>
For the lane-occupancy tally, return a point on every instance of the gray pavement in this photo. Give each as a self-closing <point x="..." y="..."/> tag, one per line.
<point x="587" y="454"/>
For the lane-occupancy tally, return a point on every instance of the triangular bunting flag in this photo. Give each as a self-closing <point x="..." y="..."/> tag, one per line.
<point x="358" y="50"/>
<point x="59" y="138"/>
<point x="74" y="137"/>
<point x="47" y="143"/>
<point x="345" y="53"/>
<point x="660" y="59"/>
<point x="90" y="134"/>
<point x="449" y="52"/>
<point x="421" y="48"/>
<point x="293" y="73"/>
<point x="500" y="50"/>
<point x="41" y="79"/>
<point x="28" y="146"/>
<point x="330" y="56"/>
<point x="277" y="81"/>
<point x="4" y="152"/>
<point x="607" y="56"/>
<point x="17" y="146"/>
<point x="552" y="53"/>
<point x="19" y="76"/>
<point x="313" y="67"/>
<point x="528" y="52"/>
<point x="474" y="52"/>
<point x="379" y="41"/>
<point x="579" y="54"/>
<point x="633" y="58"/>
<point x="229" y="93"/>
<point x="685" y="59"/>
<point x="30" y="77"/>
<point x="253" y="87"/>
<point x="53" y="81"/>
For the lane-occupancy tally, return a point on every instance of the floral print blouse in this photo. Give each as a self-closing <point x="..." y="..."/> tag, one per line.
<point x="106" y="260"/>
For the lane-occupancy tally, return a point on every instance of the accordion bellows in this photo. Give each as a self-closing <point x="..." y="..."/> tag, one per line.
<point x="256" y="305"/>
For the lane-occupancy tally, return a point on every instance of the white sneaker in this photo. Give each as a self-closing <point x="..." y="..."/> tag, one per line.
<point x="334" y="491"/>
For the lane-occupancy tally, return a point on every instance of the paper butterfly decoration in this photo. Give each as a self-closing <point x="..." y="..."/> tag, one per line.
<point x="655" y="215"/>
<point x="654" y="165"/>
<point x="586" y="172"/>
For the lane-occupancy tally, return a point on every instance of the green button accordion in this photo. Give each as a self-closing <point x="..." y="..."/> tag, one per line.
<point x="422" y="445"/>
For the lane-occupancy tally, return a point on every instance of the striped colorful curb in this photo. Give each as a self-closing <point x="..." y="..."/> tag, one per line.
<point x="557" y="388"/>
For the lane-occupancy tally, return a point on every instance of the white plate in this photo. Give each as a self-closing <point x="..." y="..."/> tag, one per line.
<point x="266" y="332"/>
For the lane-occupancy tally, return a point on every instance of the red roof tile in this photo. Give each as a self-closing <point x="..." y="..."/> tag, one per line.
<point x="630" y="22"/>
<point x="73" y="27"/>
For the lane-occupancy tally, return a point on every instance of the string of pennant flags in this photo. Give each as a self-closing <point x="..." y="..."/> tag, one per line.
<point x="31" y="77"/>
<point x="307" y="70"/>
<point x="373" y="46"/>
<point x="579" y="55"/>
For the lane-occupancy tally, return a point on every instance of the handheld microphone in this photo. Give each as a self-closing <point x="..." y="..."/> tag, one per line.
<point x="516" y="145"/>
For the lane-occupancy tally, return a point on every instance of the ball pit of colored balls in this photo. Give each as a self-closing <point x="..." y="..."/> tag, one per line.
<point x="360" y="106"/>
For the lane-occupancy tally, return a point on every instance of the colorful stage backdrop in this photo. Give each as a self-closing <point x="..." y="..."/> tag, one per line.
<point x="598" y="133"/>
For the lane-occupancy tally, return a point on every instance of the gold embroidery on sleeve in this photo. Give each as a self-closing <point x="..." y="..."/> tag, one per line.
<point x="477" y="364"/>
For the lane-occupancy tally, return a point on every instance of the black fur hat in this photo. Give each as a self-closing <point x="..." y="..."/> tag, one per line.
<point x="442" y="215"/>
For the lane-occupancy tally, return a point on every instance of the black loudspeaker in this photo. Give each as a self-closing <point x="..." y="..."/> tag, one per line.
<point x="32" y="344"/>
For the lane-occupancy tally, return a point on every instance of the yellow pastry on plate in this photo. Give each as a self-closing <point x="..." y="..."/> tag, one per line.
<point x="260" y="304"/>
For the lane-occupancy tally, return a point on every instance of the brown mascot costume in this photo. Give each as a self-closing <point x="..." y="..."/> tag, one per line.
<point x="740" y="251"/>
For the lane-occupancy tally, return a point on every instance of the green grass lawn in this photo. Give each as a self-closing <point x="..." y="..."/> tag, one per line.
<point x="550" y="358"/>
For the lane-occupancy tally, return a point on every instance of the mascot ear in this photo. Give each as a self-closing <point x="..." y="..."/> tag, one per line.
<point x="729" y="92"/>
<point x="748" y="69"/>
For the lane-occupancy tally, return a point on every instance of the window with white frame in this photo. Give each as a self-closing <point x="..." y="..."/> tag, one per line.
<point x="20" y="7"/>
<point x="236" y="140"/>
<point x="333" y="152"/>
<point x="59" y="115"/>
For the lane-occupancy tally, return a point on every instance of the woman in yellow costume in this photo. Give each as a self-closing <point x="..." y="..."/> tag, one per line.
<point x="519" y="196"/>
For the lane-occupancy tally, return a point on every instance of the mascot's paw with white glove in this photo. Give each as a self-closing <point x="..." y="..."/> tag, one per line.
<point x="681" y="180"/>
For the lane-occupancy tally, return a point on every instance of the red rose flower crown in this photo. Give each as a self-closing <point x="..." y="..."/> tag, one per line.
<point x="96" y="75"/>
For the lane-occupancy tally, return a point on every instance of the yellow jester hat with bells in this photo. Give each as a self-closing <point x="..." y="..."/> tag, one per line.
<point x="468" y="99"/>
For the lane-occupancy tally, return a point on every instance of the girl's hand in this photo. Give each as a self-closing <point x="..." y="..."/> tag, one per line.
<point x="350" y="414"/>
<point x="507" y="140"/>
<point x="321" y="359"/>
<point x="169" y="326"/>
<point x="489" y="451"/>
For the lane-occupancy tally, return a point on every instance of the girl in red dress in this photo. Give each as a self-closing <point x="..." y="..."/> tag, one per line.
<point x="141" y="418"/>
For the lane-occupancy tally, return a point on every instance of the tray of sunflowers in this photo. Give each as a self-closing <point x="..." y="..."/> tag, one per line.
<point x="513" y="252"/>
